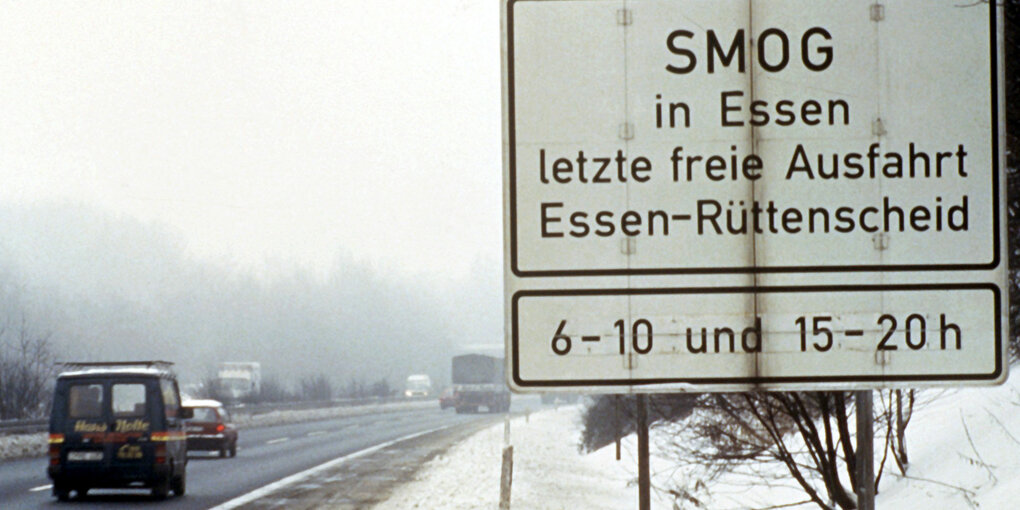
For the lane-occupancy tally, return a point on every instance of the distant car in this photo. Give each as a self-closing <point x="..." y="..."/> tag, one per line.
<point x="418" y="385"/>
<point x="210" y="428"/>
<point x="447" y="399"/>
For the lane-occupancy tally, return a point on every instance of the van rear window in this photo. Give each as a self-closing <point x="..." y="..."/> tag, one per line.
<point x="86" y="401"/>
<point x="129" y="400"/>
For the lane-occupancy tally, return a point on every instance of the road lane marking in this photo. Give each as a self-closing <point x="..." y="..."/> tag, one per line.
<point x="316" y="433"/>
<point x="265" y="490"/>
<point x="279" y="440"/>
<point x="41" y="488"/>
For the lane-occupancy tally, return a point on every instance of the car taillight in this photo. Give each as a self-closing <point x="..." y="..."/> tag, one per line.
<point x="55" y="441"/>
<point x="220" y="427"/>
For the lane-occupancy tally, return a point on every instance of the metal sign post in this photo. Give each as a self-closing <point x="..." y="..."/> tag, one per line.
<point x="644" y="475"/>
<point x="865" y="450"/>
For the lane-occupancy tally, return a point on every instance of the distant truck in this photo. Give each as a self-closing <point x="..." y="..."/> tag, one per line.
<point x="478" y="382"/>
<point x="418" y="385"/>
<point x="238" y="380"/>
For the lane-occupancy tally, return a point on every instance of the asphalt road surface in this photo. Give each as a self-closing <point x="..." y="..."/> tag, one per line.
<point x="265" y="455"/>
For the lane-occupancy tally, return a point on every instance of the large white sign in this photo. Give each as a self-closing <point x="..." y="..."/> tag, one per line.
<point x="755" y="178"/>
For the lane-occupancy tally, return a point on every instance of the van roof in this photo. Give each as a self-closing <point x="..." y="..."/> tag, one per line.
<point x="106" y="368"/>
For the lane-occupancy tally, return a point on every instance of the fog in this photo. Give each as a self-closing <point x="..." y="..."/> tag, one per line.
<point x="314" y="186"/>
<point x="104" y="286"/>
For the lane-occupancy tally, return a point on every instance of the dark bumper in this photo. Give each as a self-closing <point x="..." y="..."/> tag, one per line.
<point x="108" y="476"/>
<point x="208" y="443"/>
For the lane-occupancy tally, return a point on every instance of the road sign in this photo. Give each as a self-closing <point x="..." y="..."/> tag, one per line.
<point x="733" y="194"/>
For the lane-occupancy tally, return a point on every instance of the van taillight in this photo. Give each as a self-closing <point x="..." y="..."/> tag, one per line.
<point x="55" y="441"/>
<point x="161" y="454"/>
<point x="220" y="427"/>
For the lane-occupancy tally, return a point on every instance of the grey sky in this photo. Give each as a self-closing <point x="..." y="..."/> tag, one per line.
<point x="269" y="134"/>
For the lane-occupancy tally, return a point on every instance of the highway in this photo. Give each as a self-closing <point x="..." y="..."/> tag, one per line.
<point x="265" y="455"/>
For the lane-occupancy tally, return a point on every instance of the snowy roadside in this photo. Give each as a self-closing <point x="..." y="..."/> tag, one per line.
<point x="548" y="471"/>
<point x="964" y="447"/>
<point x="15" y="446"/>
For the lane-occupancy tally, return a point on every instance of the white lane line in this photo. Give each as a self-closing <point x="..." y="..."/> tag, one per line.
<point x="41" y="488"/>
<point x="279" y="440"/>
<point x="316" y="433"/>
<point x="265" y="490"/>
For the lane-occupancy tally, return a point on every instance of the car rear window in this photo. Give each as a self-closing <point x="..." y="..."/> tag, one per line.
<point x="86" y="401"/>
<point x="129" y="400"/>
<point x="204" y="414"/>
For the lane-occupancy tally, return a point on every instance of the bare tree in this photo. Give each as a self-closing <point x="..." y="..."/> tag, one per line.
<point x="897" y="409"/>
<point x="26" y="371"/>
<point x="274" y="391"/>
<point x="807" y="433"/>
<point x="317" y="387"/>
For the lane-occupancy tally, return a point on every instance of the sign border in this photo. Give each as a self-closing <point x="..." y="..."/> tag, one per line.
<point x="512" y="171"/>
<point x="707" y="382"/>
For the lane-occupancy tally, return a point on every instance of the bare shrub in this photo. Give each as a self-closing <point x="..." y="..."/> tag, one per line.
<point x="273" y="390"/>
<point x="26" y="372"/>
<point x="316" y="387"/>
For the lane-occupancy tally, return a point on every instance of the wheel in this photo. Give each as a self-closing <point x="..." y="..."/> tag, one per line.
<point x="223" y="451"/>
<point x="233" y="449"/>
<point x="61" y="491"/>
<point x="161" y="489"/>
<point x="179" y="484"/>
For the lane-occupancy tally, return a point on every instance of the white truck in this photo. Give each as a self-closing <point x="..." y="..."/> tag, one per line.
<point x="238" y="380"/>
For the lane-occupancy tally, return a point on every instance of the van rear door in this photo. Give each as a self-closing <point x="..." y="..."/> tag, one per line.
<point x="132" y="412"/>
<point x="85" y="424"/>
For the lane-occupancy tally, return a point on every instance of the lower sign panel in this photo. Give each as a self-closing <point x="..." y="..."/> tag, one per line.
<point x="742" y="338"/>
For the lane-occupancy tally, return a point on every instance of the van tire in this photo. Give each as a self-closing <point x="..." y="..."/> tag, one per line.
<point x="233" y="449"/>
<point x="179" y="484"/>
<point x="61" y="491"/>
<point x="161" y="489"/>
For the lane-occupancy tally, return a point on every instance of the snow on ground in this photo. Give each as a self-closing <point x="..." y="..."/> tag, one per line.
<point x="964" y="449"/>
<point x="548" y="471"/>
<point x="15" y="446"/>
<point x="964" y="452"/>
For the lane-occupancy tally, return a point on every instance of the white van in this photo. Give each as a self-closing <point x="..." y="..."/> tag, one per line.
<point x="418" y="385"/>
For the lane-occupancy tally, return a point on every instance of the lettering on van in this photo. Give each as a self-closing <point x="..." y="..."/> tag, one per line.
<point x="129" y="451"/>
<point x="86" y="426"/>
<point x="135" y="425"/>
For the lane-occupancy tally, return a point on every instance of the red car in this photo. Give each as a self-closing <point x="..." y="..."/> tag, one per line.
<point x="210" y="428"/>
<point x="447" y="399"/>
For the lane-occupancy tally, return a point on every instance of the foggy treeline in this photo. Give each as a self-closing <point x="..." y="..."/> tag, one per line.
<point x="106" y="287"/>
